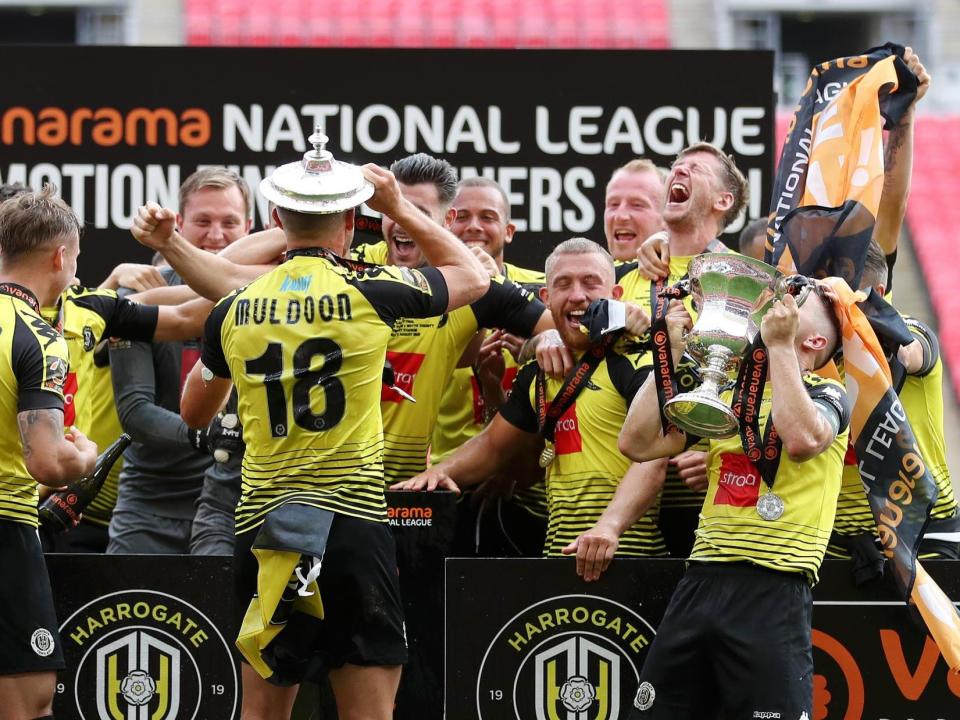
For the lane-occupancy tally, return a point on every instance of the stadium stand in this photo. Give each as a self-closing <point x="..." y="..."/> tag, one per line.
<point x="430" y="23"/>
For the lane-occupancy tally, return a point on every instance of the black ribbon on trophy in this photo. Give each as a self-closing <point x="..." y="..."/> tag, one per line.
<point x="665" y="374"/>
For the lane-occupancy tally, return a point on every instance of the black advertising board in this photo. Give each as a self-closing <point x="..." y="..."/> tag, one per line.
<point x="116" y="126"/>
<point x="423" y="525"/>
<point x="145" y="637"/>
<point x="527" y="639"/>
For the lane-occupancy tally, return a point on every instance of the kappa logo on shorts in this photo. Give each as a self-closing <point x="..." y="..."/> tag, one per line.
<point x="145" y="655"/>
<point x="646" y="694"/>
<point x="575" y="657"/>
<point x="42" y="642"/>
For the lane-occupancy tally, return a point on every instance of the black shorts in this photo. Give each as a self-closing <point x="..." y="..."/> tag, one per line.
<point x="735" y="642"/>
<point x="678" y="525"/>
<point x="29" y="638"/>
<point x="363" y="613"/>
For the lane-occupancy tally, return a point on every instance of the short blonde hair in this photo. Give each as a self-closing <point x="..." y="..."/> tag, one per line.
<point x="576" y="246"/>
<point x="219" y="177"/>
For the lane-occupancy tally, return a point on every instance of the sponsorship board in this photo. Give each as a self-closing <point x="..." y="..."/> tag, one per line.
<point x="145" y="638"/>
<point x="526" y="639"/>
<point x="548" y="125"/>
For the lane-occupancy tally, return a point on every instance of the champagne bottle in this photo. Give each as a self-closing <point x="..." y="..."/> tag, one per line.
<point x="61" y="510"/>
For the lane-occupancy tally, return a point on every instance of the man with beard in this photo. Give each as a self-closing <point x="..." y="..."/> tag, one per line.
<point x="588" y="482"/>
<point x="705" y="193"/>
<point x="423" y="352"/>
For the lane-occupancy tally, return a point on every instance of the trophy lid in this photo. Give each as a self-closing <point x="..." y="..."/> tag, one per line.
<point x="317" y="184"/>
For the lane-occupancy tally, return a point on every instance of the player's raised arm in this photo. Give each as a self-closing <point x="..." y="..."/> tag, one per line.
<point x="212" y="276"/>
<point x="465" y="277"/>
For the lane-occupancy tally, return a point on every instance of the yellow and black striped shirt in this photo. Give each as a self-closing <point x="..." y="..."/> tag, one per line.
<point x="33" y="369"/>
<point x="88" y="316"/>
<point x="730" y="528"/>
<point x="588" y="467"/>
<point x="461" y="412"/>
<point x="424" y="354"/>
<point x="305" y="346"/>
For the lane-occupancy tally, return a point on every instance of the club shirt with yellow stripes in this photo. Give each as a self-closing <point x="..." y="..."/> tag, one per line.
<point x="424" y="354"/>
<point x="462" y="413"/>
<point x="88" y="316"/>
<point x="305" y="346"/>
<point x="730" y="528"/>
<point x="638" y="289"/>
<point x="588" y="466"/>
<point x="922" y="399"/>
<point x="33" y="368"/>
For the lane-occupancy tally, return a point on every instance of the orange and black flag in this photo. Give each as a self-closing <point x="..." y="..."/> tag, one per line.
<point x="822" y="216"/>
<point x="830" y="178"/>
<point x="899" y="486"/>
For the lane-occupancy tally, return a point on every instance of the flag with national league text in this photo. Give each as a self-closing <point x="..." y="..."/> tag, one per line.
<point x="830" y="177"/>
<point x="822" y="216"/>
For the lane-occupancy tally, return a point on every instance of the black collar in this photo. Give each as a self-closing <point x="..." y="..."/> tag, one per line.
<point x="21" y="293"/>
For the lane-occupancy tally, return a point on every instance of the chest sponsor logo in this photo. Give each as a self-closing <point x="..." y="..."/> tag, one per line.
<point x="575" y="657"/>
<point x="405" y="369"/>
<point x="566" y="435"/>
<point x="739" y="482"/>
<point x="145" y="655"/>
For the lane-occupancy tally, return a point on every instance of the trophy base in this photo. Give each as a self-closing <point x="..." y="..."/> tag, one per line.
<point x="702" y="414"/>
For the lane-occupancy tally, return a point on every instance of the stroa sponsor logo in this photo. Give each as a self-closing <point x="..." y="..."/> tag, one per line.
<point x="739" y="481"/>
<point x="762" y="715"/>
<point x="566" y="435"/>
<point x="410" y="516"/>
<point x="729" y="478"/>
<point x="405" y="369"/>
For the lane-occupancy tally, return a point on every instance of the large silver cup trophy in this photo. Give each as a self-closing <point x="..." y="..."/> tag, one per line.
<point x="731" y="293"/>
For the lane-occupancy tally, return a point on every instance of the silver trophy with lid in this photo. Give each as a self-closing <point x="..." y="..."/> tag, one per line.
<point x="317" y="184"/>
<point x="732" y="293"/>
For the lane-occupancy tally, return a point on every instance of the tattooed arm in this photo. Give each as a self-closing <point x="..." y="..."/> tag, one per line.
<point x="53" y="458"/>
<point x="898" y="166"/>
